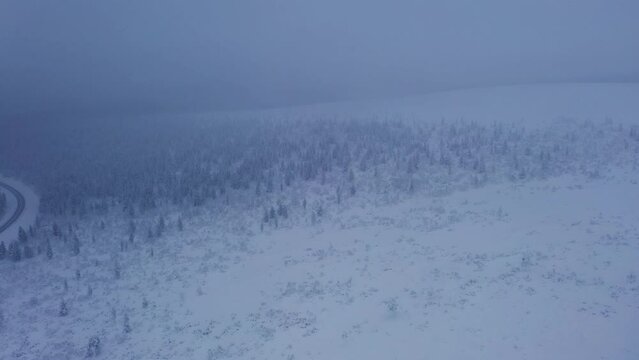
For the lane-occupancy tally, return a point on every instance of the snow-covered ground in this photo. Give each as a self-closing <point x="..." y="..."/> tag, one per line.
<point x="546" y="269"/>
<point x="530" y="105"/>
<point x="535" y="269"/>
<point x="29" y="214"/>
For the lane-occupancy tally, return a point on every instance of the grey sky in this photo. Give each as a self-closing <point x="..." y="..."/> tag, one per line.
<point x="65" y="58"/>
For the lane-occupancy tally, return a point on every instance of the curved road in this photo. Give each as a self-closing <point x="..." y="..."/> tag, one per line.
<point x="19" y="209"/>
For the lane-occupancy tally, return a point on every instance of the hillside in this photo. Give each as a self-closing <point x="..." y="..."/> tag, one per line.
<point x="482" y="223"/>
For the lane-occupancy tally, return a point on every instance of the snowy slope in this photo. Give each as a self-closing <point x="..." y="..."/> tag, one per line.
<point x="535" y="269"/>
<point x="529" y="105"/>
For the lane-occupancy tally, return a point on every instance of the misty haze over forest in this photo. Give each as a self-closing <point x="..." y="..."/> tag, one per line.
<point x="319" y="180"/>
<point x="73" y="58"/>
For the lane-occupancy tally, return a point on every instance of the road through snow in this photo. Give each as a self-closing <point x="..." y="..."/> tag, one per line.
<point x="18" y="210"/>
<point x="22" y="208"/>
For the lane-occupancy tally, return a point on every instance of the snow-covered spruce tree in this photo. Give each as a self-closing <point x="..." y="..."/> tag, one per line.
<point x="127" y="325"/>
<point x="391" y="305"/>
<point x="75" y="246"/>
<point x="180" y="224"/>
<point x="49" y="250"/>
<point x="160" y="226"/>
<point x="3" y="250"/>
<point x="131" y="227"/>
<point x="282" y="210"/>
<point x="94" y="347"/>
<point x="56" y="230"/>
<point x="14" y="252"/>
<point x="117" y="271"/>
<point x="22" y="235"/>
<point x="64" y="311"/>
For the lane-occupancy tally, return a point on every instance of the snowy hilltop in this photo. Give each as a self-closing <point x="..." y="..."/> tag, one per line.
<point x="483" y="223"/>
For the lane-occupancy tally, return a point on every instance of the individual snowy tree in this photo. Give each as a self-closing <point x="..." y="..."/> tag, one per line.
<point x="3" y="250"/>
<point x="161" y="225"/>
<point x="75" y="248"/>
<point x="49" y="250"/>
<point x="127" y="325"/>
<point x="56" y="230"/>
<point x="269" y="184"/>
<point x="391" y="305"/>
<point x="117" y="271"/>
<point x="14" y="252"/>
<point x="64" y="311"/>
<point x="180" y="225"/>
<point x="89" y="291"/>
<point x="282" y="210"/>
<point x="131" y="227"/>
<point x="94" y="347"/>
<point x="130" y="210"/>
<point x="22" y="235"/>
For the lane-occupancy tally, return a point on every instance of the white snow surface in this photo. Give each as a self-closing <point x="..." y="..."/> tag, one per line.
<point x="531" y="105"/>
<point x="539" y="269"/>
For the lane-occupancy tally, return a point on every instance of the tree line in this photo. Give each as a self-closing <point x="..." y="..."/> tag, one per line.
<point x="139" y="166"/>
